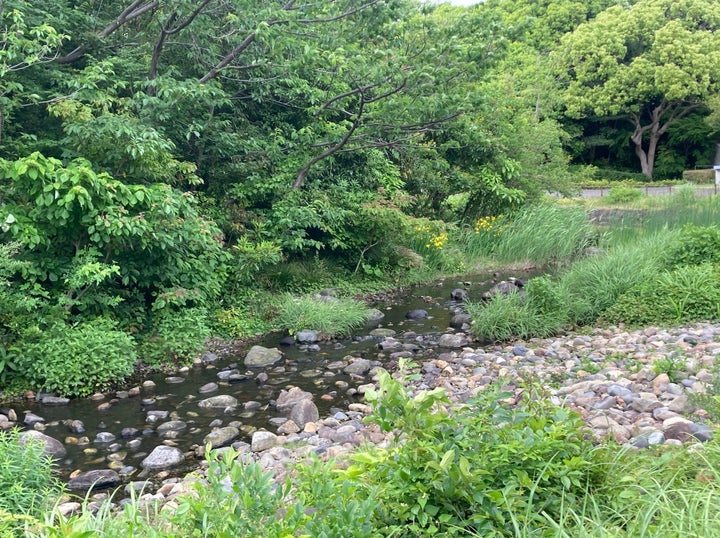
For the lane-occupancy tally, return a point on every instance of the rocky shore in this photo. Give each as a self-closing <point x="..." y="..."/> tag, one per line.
<point x="639" y="388"/>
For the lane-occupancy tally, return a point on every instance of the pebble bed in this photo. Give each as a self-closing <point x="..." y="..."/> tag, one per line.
<point x="634" y="387"/>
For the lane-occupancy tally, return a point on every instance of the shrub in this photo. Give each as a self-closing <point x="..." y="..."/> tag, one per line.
<point x="504" y="317"/>
<point x="706" y="175"/>
<point x="176" y="335"/>
<point x="622" y="195"/>
<point x="476" y="469"/>
<point x="688" y="293"/>
<point x="694" y="246"/>
<point x="27" y="486"/>
<point x="594" y="284"/>
<point x="542" y="312"/>
<point x="80" y="359"/>
<point x="329" y="315"/>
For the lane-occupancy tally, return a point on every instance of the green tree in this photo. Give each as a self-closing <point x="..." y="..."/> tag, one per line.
<point x="22" y="45"/>
<point x="91" y="241"/>
<point x="652" y="64"/>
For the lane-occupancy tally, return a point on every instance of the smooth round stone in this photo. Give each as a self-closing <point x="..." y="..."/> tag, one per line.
<point x="221" y="437"/>
<point x="97" y="479"/>
<point x="163" y="457"/>
<point x="222" y="401"/>
<point x="171" y="426"/>
<point x="311" y="373"/>
<point x="104" y="437"/>
<point x="208" y="387"/>
<point x="383" y="332"/>
<point x="174" y="380"/>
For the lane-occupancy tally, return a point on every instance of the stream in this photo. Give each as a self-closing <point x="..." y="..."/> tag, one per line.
<point x="120" y="430"/>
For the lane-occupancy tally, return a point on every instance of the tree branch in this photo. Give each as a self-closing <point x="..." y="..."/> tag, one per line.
<point x="133" y="11"/>
<point x="165" y="31"/>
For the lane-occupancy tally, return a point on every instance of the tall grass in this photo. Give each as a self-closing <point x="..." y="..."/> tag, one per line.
<point x="663" y="213"/>
<point x="672" y="492"/>
<point x="544" y="234"/>
<point x="329" y="316"/>
<point x="578" y="295"/>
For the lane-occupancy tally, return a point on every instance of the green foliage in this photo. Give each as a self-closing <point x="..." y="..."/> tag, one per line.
<point x="502" y="318"/>
<point x="328" y="315"/>
<point x="26" y="481"/>
<point x="687" y="293"/>
<point x="694" y="245"/>
<point x="77" y="360"/>
<point x="505" y="317"/>
<point x="672" y="365"/>
<point x="595" y="283"/>
<point x="175" y="336"/>
<point x="623" y="195"/>
<point x="240" y="499"/>
<point x="699" y="176"/>
<point x="250" y="260"/>
<point x="545" y="233"/>
<point x="473" y="469"/>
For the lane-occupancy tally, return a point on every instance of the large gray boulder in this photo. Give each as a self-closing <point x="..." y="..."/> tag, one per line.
<point x="221" y="401"/>
<point x="305" y="411"/>
<point x="51" y="446"/>
<point x="290" y="398"/>
<point x="222" y="436"/>
<point x="163" y="457"/>
<point x="260" y="356"/>
<point x="97" y="479"/>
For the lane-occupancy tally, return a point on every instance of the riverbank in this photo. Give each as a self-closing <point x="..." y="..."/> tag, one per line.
<point x="639" y="389"/>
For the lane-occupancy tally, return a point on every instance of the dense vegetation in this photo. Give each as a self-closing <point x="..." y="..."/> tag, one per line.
<point x="166" y="167"/>
<point x="175" y="170"/>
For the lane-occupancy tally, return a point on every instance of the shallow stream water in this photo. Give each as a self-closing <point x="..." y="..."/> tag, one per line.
<point x="178" y="394"/>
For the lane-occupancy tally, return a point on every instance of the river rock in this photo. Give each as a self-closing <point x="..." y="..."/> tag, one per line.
<point x="260" y="356"/>
<point x="290" y="398"/>
<point x="76" y="426"/>
<point x="358" y="367"/>
<point x="453" y="340"/>
<point x="163" y="457"/>
<point x="52" y="447"/>
<point x="31" y="419"/>
<point x="417" y="314"/>
<point x="50" y="399"/>
<point x="208" y="387"/>
<point x="221" y="401"/>
<point x="303" y="412"/>
<point x="222" y="436"/>
<point x="104" y="437"/>
<point x="171" y="426"/>
<point x="374" y="316"/>
<point x="458" y="294"/>
<point x="383" y="332"/>
<point x="307" y="336"/>
<point x="96" y="479"/>
<point x="460" y="321"/>
<point x="262" y="440"/>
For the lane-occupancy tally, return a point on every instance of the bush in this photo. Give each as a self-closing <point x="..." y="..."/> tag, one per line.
<point x="27" y="487"/>
<point x="688" y="293"/>
<point x="176" y="336"/>
<point x="328" y="315"/>
<point x="504" y="317"/>
<point x="694" y="246"/>
<point x="594" y="284"/>
<point x="482" y="468"/>
<point x="706" y="175"/>
<point x="621" y="195"/>
<point x="78" y="360"/>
